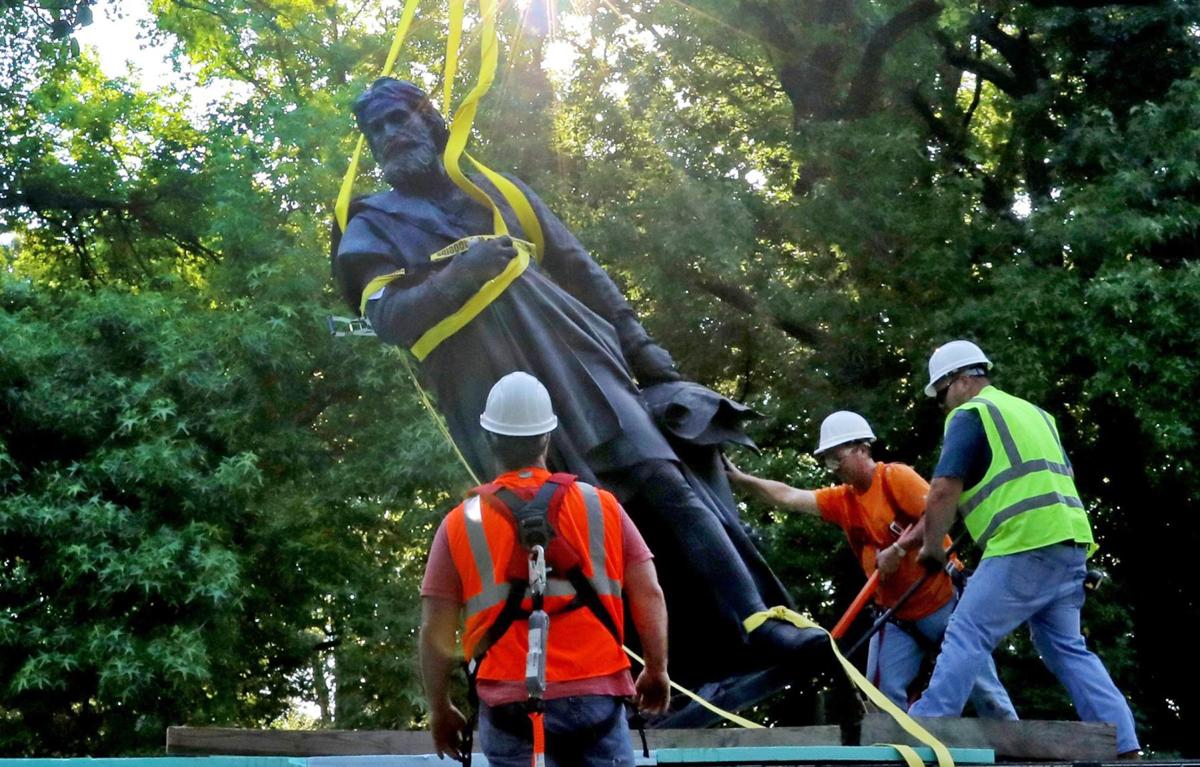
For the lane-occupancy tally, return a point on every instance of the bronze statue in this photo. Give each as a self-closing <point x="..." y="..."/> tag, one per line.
<point x="564" y="321"/>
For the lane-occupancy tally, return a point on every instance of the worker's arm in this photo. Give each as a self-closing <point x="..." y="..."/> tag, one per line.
<point x="940" y="508"/>
<point x="649" y="611"/>
<point x="439" y="620"/>
<point x="777" y="493"/>
<point x="573" y="268"/>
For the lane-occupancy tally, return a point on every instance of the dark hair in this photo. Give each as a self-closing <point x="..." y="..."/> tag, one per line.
<point x="517" y="452"/>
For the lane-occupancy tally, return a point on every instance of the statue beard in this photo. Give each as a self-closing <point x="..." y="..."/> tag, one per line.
<point x="416" y="167"/>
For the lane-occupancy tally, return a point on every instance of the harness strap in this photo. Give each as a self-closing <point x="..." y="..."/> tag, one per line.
<point x="897" y="509"/>
<point x="547" y="503"/>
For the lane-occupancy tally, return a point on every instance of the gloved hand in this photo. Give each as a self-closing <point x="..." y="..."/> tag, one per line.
<point x="485" y="259"/>
<point x="652" y="364"/>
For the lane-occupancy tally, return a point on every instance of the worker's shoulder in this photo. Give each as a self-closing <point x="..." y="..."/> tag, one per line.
<point x="894" y="471"/>
<point x="606" y="497"/>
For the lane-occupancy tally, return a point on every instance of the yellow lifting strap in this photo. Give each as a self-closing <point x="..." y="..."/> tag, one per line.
<point x="464" y="120"/>
<point x="460" y="127"/>
<point x="460" y="132"/>
<point x="729" y="715"/>
<point x="874" y="695"/>
<point x="341" y="208"/>
<point x="488" y="293"/>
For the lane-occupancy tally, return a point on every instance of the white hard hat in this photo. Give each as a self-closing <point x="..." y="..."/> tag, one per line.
<point x="842" y="427"/>
<point x="518" y="406"/>
<point x="955" y="355"/>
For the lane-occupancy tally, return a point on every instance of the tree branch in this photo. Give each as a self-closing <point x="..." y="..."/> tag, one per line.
<point x="864" y="88"/>
<point x="746" y="302"/>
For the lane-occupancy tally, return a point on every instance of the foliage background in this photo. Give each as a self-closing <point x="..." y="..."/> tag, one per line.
<point x="210" y="511"/>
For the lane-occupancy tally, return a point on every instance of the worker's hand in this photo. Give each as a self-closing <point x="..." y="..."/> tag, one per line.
<point x="447" y="726"/>
<point x="652" y="364"/>
<point x="486" y="258"/>
<point x="653" y="692"/>
<point x="887" y="561"/>
<point x="734" y="473"/>
<point x="934" y="558"/>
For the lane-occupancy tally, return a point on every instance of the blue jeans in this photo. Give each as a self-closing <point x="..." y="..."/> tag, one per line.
<point x="582" y="731"/>
<point x="894" y="659"/>
<point x="1044" y="588"/>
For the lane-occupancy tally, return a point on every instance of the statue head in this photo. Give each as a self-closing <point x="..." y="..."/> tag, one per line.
<point x="406" y="133"/>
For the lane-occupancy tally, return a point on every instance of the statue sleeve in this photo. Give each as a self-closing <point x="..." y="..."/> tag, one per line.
<point x="570" y="265"/>
<point x="409" y="305"/>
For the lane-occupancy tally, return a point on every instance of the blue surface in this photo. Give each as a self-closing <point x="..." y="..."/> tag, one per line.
<point x="163" y="761"/>
<point x="787" y="754"/>
<point x="730" y="755"/>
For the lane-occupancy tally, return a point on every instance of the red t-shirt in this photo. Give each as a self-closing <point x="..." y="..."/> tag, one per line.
<point x="866" y="519"/>
<point x="442" y="581"/>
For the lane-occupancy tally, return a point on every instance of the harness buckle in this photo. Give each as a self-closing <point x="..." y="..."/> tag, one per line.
<point x="534" y="530"/>
<point x="537" y="571"/>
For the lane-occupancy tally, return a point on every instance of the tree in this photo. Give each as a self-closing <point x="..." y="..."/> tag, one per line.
<point x="801" y="198"/>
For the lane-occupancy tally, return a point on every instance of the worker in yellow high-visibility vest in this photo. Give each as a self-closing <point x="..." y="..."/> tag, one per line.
<point x="1004" y="469"/>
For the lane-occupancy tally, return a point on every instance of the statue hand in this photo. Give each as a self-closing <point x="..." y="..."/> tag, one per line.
<point x="653" y="364"/>
<point x="485" y="259"/>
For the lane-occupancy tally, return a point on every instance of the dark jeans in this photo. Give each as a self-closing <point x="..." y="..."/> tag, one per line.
<point x="583" y="731"/>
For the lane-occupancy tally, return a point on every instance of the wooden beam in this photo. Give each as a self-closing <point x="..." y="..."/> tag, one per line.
<point x="221" y="740"/>
<point x="1023" y="740"/>
<point x="229" y="740"/>
<point x="1026" y="739"/>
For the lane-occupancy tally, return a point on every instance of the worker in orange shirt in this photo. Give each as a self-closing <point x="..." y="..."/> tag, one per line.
<point x="881" y="509"/>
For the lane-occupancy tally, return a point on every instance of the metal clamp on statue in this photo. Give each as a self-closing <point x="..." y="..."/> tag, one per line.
<point x="562" y="319"/>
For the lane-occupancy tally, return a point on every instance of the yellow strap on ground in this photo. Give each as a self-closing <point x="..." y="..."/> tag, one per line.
<point x="874" y="695"/>
<point x="729" y="715"/>
<point x="341" y="208"/>
<point x="907" y="753"/>
<point x="374" y="285"/>
<point x="475" y="304"/>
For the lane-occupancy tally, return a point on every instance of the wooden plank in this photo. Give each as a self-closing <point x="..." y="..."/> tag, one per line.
<point x="218" y="740"/>
<point x="228" y="740"/>
<point x="1026" y="739"/>
<point x="1031" y="740"/>
<point x="741" y="755"/>
<point x="824" y="735"/>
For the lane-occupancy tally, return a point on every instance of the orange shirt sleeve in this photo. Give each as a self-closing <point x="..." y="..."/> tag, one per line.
<point x="831" y="502"/>
<point x="909" y="488"/>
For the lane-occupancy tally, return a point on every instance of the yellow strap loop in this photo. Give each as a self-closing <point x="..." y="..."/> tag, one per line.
<point x="729" y="715"/>
<point x="341" y="208"/>
<point x="907" y="753"/>
<point x="373" y="286"/>
<point x="464" y="120"/>
<point x="475" y="304"/>
<point x="874" y="695"/>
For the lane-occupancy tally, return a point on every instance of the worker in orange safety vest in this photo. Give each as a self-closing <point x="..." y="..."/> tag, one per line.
<point x="529" y="549"/>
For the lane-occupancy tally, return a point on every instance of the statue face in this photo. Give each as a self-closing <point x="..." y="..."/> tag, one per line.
<point x="403" y="143"/>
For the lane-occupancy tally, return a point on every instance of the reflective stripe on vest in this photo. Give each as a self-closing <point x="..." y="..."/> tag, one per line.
<point x="1028" y="473"/>
<point x="494" y="594"/>
<point x="482" y="543"/>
